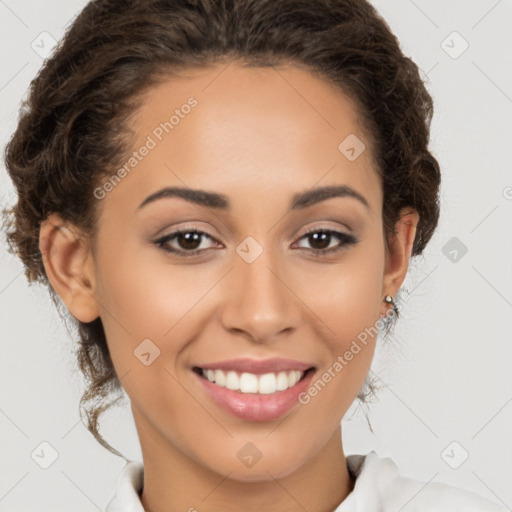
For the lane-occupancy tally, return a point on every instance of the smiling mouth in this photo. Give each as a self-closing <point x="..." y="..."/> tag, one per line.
<point x="245" y="382"/>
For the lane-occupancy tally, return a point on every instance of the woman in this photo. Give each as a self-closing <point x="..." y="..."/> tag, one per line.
<point x="226" y="195"/>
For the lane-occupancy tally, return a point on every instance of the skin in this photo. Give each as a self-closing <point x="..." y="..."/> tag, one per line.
<point x="259" y="136"/>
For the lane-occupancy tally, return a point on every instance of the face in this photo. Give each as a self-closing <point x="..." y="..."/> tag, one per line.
<point x="267" y="277"/>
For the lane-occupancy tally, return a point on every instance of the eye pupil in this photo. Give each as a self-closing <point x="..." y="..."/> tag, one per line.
<point x="323" y="237"/>
<point x="192" y="240"/>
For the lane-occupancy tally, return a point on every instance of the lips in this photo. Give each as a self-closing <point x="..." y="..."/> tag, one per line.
<point x="255" y="390"/>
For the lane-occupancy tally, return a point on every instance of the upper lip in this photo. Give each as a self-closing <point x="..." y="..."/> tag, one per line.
<point x="258" y="366"/>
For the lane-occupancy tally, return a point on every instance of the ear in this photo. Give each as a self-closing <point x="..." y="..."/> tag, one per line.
<point x="399" y="254"/>
<point x="69" y="266"/>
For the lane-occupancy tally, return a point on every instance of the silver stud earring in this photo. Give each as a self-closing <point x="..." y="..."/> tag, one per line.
<point x="389" y="299"/>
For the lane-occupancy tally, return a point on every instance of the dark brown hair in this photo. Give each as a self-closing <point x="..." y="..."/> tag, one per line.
<point x="72" y="129"/>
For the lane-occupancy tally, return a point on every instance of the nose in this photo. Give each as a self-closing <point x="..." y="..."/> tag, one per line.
<point x="260" y="303"/>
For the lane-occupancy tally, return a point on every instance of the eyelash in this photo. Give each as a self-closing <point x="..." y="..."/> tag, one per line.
<point x="342" y="237"/>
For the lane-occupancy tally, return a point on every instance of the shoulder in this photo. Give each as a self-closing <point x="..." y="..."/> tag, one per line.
<point x="128" y="488"/>
<point x="380" y="488"/>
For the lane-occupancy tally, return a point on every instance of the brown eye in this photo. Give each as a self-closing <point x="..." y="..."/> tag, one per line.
<point x="191" y="240"/>
<point x="320" y="241"/>
<point x="187" y="242"/>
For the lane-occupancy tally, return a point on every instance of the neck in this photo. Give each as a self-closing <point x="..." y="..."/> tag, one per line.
<point x="176" y="482"/>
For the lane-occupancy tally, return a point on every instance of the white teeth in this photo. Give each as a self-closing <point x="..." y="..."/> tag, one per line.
<point x="232" y="381"/>
<point x="248" y="383"/>
<point x="265" y="384"/>
<point x="220" y="378"/>
<point x="282" y="381"/>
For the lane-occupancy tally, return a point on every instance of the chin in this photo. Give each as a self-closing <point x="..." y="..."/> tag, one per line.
<point x="275" y="467"/>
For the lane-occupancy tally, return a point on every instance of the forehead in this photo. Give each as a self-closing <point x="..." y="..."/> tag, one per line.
<point x="240" y="129"/>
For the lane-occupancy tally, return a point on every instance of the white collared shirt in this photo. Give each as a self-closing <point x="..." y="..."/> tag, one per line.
<point x="378" y="488"/>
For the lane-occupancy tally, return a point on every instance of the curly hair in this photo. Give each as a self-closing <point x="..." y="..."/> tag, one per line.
<point x="72" y="130"/>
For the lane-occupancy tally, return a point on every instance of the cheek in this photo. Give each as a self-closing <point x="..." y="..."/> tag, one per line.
<point x="150" y="315"/>
<point x="345" y="297"/>
<point x="147" y="317"/>
<point x="345" y="302"/>
<point x="142" y="293"/>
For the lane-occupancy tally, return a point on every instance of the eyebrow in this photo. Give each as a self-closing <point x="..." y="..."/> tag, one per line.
<point x="220" y="201"/>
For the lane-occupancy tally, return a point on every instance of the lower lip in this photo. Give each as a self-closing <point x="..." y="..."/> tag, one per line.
<point x="256" y="407"/>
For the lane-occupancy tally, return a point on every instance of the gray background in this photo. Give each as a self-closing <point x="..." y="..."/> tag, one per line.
<point x="446" y="372"/>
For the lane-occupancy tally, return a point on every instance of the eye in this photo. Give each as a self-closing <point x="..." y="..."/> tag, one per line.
<point x="321" y="240"/>
<point x="189" y="241"/>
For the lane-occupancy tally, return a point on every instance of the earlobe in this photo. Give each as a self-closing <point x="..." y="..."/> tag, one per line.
<point x="400" y="249"/>
<point x="69" y="266"/>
